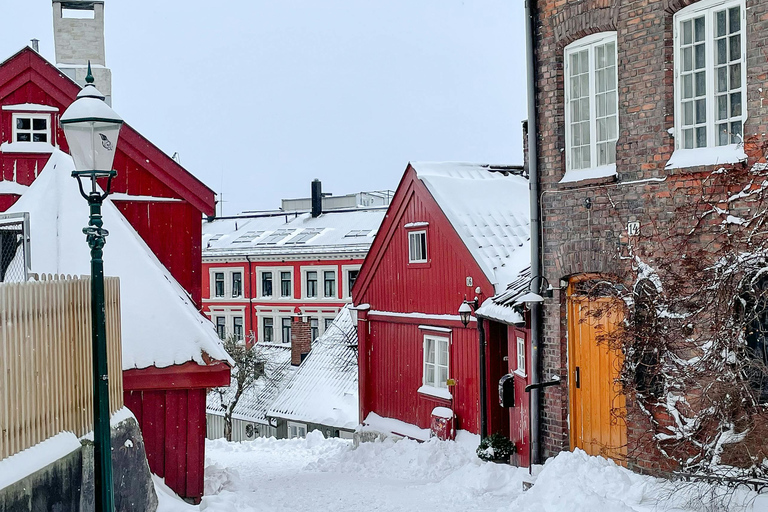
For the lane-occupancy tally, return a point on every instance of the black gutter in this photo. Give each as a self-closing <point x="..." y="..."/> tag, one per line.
<point x="533" y="183"/>
<point x="483" y="379"/>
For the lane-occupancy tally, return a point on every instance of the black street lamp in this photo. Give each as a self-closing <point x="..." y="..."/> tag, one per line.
<point x="91" y="128"/>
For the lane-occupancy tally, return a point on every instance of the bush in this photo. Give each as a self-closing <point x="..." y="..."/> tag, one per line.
<point x="495" y="447"/>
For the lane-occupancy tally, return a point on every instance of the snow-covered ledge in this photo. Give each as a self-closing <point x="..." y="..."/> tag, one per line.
<point x="574" y="175"/>
<point x="435" y="392"/>
<point x="26" y="147"/>
<point x="731" y="154"/>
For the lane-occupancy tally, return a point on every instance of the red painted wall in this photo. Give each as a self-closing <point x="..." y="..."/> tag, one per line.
<point x="173" y="425"/>
<point x="391" y="350"/>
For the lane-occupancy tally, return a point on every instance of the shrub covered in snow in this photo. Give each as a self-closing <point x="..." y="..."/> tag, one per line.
<point x="495" y="447"/>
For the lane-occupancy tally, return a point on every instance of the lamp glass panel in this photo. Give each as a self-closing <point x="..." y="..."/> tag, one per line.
<point x="92" y="144"/>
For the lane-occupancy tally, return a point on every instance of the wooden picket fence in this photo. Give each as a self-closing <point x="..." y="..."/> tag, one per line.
<point x="45" y="359"/>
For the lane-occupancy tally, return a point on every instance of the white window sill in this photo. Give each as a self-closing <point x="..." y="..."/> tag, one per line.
<point x="574" y="175"/>
<point x="718" y="155"/>
<point x="521" y="374"/>
<point x="26" y="147"/>
<point x="435" y="392"/>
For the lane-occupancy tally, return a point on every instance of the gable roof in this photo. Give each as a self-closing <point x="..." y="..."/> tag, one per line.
<point x="296" y="233"/>
<point x="324" y="388"/>
<point x="160" y="325"/>
<point x="29" y="66"/>
<point x="255" y="401"/>
<point x="489" y="209"/>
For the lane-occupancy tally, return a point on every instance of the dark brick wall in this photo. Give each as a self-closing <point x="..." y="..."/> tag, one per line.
<point x="577" y="239"/>
<point x="301" y="339"/>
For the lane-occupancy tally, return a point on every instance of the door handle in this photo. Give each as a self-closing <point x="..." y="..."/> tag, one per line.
<point x="578" y="377"/>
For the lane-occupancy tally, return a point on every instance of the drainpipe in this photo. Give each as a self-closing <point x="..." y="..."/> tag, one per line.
<point x="533" y="174"/>
<point x="483" y="379"/>
<point x="250" y="295"/>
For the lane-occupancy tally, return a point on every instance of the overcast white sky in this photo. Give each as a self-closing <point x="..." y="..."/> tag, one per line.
<point x="261" y="96"/>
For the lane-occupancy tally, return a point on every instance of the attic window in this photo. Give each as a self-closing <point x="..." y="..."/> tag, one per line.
<point x="31" y="127"/>
<point x="305" y="236"/>
<point x="357" y="233"/>
<point x="275" y="237"/>
<point x="417" y="247"/>
<point x="250" y="236"/>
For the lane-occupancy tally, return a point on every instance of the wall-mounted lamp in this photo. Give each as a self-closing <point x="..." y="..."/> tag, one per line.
<point x="466" y="309"/>
<point x="537" y="296"/>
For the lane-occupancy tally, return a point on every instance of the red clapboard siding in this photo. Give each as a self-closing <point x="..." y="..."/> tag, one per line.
<point x="392" y="354"/>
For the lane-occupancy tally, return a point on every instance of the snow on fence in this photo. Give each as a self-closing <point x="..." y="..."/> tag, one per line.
<point x="45" y="359"/>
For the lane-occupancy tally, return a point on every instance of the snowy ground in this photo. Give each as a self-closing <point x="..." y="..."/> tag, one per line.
<point x="328" y="474"/>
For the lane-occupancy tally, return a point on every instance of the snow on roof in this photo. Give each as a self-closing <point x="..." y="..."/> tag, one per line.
<point x="324" y="388"/>
<point x="255" y="401"/>
<point x="160" y="324"/>
<point x="338" y="231"/>
<point x="489" y="210"/>
<point x="501" y="307"/>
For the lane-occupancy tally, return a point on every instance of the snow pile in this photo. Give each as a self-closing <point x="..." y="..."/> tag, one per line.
<point x="298" y="475"/>
<point x="375" y="423"/>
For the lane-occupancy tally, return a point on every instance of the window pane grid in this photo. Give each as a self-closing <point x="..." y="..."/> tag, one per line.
<point x="436" y="362"/>
<point x="417" y="247"/>
<point x="710" y="72"/>
<point x="329" y="283"/>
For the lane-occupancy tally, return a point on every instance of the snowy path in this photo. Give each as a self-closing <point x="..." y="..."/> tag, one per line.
<point x="327" y="474"/>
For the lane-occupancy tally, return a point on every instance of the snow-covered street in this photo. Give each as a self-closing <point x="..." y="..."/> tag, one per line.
<point x="328" y="474"/>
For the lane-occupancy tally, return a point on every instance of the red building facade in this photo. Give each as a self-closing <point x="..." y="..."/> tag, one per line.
<point x="434" y="251"/>
<point x="163" y="203"/>
<point x="262" y="270"/>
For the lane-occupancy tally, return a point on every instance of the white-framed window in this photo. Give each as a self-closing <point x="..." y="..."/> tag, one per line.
<point x="228" y="321"/>
<point x="296" y="430"/>
<point x="349" y="273"/>
<point x="28" y="127"/>
<point x="591" y="102"/>
<point x="226" y="283"/>
<point x="521" y="355"/>
<point x="285" y="329"/>
<point x="417" y="246"/>
<point x="710" y="74"/>
<point x="435" y="361"/>
<point x="268" y="329"/>
<point x="314" y="328"/>
<point x="274" y="282"/>
<point x="319" y="282"/>
<point x="266" y="283"/>
<point x="329" y="284"/>
<point x="286" y="283"/>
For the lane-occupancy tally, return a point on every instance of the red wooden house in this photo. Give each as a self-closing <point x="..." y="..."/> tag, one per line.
<point x="164" y="203"/>
<point x="453" y="232"/>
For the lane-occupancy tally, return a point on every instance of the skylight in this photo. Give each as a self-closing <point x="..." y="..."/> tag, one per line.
<point x="305" y="236"/>
<point x="250" y="236"/>
<point x="357" y="233"/>
<point x="275" y="237"/>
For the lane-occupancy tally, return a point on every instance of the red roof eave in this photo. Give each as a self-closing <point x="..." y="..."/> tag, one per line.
<point x="189" y="375"/>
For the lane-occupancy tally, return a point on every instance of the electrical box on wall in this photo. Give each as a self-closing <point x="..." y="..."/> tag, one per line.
<point x="507" y="391"/>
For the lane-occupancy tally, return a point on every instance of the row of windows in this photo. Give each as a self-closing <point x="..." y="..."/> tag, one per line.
<point x="269" y="334"/>
<point x="317" y="283"/>
<point x="710" y="76"/>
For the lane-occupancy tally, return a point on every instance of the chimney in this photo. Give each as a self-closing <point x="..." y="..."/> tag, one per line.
<point x="301" y="339"/>
<point x="35" y="44"/>
<point x="78" y="36"/>
<point x="317" y="198"/>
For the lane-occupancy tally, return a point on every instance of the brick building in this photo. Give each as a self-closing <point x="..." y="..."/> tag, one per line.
<point x="638" y="103"/>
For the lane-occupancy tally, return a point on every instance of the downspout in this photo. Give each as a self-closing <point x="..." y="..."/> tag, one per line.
<point x="533" y="181"/>
<point x="483" y="379"/>
<point x="250" y="295"/>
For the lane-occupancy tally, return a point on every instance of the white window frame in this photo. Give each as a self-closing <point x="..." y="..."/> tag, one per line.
<point x="31" y="116"/>
<point x="345" y="285"/>
<point x="436" y="383"/>
<point x="299" y="428"/>
<point x="276" y="314"/>
<point x="277" y="287"/>
<point x="707" y="7"/>
<point x="320" y="269"/>
<point x="520" y="353"/>
<point x="229" y="315"/>
<point x="426" y="246"/>
<point x="588" y="42"/>
<point x="227" y="271"/>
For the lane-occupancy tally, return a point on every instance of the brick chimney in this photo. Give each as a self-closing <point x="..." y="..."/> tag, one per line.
<point x="301" y="339"/>
<point x="78" y="36"/>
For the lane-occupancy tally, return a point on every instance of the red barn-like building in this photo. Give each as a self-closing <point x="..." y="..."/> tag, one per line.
<point x="454" y="231"/>
<point x="164" y="204"/>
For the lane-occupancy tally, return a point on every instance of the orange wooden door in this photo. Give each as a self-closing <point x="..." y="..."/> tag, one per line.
<point x="597" y="406"/>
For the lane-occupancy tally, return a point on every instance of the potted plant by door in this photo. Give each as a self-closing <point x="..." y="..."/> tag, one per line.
<point x="496" y="448"/>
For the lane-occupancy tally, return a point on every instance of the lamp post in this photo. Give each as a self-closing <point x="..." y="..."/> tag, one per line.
<point x="91" y="128"/>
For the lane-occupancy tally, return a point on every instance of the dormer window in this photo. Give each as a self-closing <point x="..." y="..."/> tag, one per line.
<point x="28" y="127"/>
